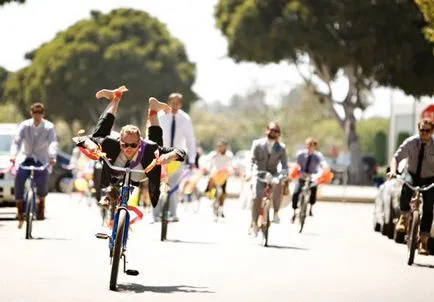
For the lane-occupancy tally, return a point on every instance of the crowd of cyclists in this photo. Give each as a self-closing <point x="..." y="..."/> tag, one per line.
<point x="169" y="137"/>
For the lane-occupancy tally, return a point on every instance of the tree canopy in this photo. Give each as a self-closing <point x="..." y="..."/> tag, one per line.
<point x="124" y="47"/>
<point x="367" y="42"/>
<point x="427" y="8"/>
<point x="7" y="1"/>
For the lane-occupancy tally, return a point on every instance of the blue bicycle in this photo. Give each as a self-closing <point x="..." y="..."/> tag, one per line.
<point x="121" y="223"/>
<point x="30" y="197"/>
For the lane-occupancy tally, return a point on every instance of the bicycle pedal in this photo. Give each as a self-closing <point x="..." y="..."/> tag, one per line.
<point x="101" y="236"/>
<point x="132" y="272"/>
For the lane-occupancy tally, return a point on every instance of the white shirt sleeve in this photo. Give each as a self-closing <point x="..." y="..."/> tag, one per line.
<point x="190" y="141"/>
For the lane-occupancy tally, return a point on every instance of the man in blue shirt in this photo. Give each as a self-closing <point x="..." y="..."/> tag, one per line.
<point x="310" y="162"/>
<point x="35" y="144"/>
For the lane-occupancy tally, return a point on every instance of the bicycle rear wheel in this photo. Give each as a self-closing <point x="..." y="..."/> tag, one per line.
<point x="412" y="240"/>
<point x="164" y="219"/>
<point x="118" y="248"/>
<point x="266" y="224"/>
<point x="30" y="195"/>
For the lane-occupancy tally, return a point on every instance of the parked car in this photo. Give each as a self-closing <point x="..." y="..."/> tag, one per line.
<point x="386" y="207"/>
<point x="60" y="177"/>
<point x="7" y="133"/>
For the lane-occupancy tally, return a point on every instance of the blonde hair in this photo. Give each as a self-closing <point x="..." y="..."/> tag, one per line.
<point x="425" y="122"/>
<point x="130" y="129"/>
<point x="175" y="95"/>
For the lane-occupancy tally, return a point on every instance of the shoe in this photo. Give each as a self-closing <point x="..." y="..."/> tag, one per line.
<point x="254" y="229"/>
<point x="40" y="215"/>
<point x="310" y="212"/>
<point x="293" y="217"/>
<point x="423" y="246"/>
<point x="401" y="225"/>
<point x="20" y="218"/>
<point x="276" y="219"/>
<point x="104" y="202"/>
<point x="174" y="219"/>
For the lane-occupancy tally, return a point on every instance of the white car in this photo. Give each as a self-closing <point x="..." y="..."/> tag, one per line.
<point x="7" y="134"/>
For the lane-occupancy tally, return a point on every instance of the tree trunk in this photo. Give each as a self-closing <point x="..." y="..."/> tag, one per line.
<point x="356" y="174"/>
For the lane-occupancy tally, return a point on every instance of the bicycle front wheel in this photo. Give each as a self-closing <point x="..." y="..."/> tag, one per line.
<point x="266" y="224"/>
<point x="412" y="240"/>
<point x="164" y="219"/>
<point x="118" y="248"/>
<point x="29" y="201"/>
<point x="304" y="197"/>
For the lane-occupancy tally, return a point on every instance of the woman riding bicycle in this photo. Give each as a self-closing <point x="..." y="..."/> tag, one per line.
<point x="130" y="150"/>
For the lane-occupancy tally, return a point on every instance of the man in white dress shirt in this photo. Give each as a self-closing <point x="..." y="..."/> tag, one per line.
<point x="177" y="132"/>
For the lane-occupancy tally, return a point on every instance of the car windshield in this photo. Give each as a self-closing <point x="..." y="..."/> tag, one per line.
<point x="5" y="143"/>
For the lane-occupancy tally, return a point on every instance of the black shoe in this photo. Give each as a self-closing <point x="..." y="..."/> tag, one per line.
<point x="310" y="212"/>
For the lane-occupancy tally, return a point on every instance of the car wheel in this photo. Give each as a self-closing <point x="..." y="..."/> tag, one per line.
<point x="64" y="184"/>
<point x="399" y="237"/>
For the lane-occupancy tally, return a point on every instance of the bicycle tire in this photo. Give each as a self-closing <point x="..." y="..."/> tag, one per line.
<point x="118" y="248"/>
<point x="303" y="210"/>
<point x="412" y="240"/>
<point x="164" y="221"/>
<point x="266" y="225"/>
<point x="29" y="212"/>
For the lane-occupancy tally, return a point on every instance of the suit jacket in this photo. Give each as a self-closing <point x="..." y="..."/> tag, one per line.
<point x="265" y="161"/>
<point x="111" y="147"/>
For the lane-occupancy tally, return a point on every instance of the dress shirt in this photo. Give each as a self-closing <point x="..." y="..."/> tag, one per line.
<point x="184" y="135"/>
<point x="38" y="142"/>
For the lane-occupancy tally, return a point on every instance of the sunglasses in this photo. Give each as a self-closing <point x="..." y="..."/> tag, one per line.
<point x="126" y="145"/>
<point x="274" y="130"/>
<point x="37" y="112"/>
<point x="424" y="130"/>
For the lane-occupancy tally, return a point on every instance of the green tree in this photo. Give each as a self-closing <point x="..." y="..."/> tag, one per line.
<point x="380" y="147"/>
<point x="427" y="8"/>
<point x="350" y="39"/>
<point x="2" y="2"/>
<point x="3" y="76"/>
<point x="125" y="46"/>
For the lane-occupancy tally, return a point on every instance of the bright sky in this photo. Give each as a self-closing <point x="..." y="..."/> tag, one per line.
<point x="26" y="27"/>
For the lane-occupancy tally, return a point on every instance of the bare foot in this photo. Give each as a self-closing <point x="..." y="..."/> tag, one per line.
<point x="111" y="94"/>
<point x="156" y="105"/>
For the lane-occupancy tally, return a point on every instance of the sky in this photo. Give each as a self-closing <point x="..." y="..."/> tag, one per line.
<point x="26" y="26"/>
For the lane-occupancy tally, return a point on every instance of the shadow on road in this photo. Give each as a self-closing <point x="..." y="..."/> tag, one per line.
<point x="188" y="242"/>
<point x="138" y="288"/>
<point x="287" y="247"/>
<point x="424" y="265"/>
<point x="51" y="238"/>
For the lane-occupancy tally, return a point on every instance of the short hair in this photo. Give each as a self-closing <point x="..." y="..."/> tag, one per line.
<point x="175" y="95"/>
<point x="130" y="129"/>
<point x="425" y="122"/>
<point x="311" y="140"/>
<point x="274" y="125"/>
<point x="37" y="107"/>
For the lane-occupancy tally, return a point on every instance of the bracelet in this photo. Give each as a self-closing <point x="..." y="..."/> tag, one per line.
<point x="152" y="113"/>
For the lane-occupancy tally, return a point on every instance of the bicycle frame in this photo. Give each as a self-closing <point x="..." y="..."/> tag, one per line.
<point x="30" y="205"/>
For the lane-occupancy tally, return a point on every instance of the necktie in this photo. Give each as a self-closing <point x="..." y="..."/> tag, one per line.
<point x="306" y="165"/>
<point x="172" y="132"/>
<point x="127" y="164"/>
<point x="419" y="161"/>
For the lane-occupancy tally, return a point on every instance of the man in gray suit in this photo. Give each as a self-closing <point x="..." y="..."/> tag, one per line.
<point x="267" y="153"/>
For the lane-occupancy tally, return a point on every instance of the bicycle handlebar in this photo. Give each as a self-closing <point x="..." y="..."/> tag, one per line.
<point x="34" y="168"/>
<point x="267" y="178"/>
<point x="418" y="188"/>
<point x="126" y="170"/>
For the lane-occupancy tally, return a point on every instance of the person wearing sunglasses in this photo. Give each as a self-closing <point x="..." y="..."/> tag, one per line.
<point x="310" y="161"/>
<point x="419" y="150"/>
<point x="267" y="154"/>
<point x="130" y="149"/>
<point x="35" y="144"/>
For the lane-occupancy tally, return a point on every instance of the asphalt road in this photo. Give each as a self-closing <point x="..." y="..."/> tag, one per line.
<point x="337" y="258"/>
